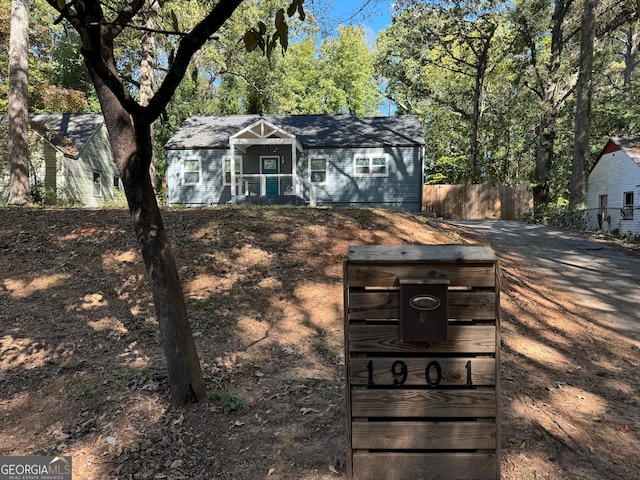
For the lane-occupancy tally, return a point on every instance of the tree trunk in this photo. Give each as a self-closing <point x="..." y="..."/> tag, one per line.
<point x="132" y="147"/>
<point x="544" y="156"/>
<point x="147" y="65"/>
<point x="577" y="186"/>
<point x="551" y="97"/>
<point x="18" y="100"/>
<point x="630" y="54"/>
<point x="129" y="127"/>
<point x="482" y="63"/>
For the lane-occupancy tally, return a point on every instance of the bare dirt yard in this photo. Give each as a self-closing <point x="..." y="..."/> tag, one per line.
<point x="82" y="371"/>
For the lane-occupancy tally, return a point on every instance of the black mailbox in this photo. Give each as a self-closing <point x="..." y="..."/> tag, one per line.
<point x="423" y="310"/>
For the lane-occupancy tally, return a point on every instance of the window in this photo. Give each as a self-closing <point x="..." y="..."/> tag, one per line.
<point x="627" y="210"/>
<point x="318" y="170"/>
<point x="116" y="182"/>
<point x="227" y="169"/>
<point x="371" y="166"/>
<point x="191" y="171"/>
<point x="603" y="202"/>
<point x="97" y="184"/>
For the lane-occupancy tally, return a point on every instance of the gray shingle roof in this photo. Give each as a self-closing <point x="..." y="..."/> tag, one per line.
<point x="313" y="131"/>
<point x="68" y="132"/>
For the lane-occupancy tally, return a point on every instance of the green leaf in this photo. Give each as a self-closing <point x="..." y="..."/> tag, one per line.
<point x="280" y="22"/>
<point x="250" y="41"/>
<point x="62" y="4"/>
<point x="282" y="30"/>
<point x="292" y="8"/>
<point x="260" y="40"/>
<point x="296" y="5"/>
<point x="284" y="41"/>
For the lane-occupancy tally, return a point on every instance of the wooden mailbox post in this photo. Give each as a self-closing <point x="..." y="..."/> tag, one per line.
<point x="422" y="409"/>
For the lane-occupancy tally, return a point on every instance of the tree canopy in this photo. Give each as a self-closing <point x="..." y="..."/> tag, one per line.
<point x="495" y="82"/>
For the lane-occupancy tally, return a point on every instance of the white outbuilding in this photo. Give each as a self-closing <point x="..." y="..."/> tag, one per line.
<point x="614" y="187"/>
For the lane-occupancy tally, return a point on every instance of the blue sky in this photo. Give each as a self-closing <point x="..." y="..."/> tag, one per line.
<point x="373" y="15"/>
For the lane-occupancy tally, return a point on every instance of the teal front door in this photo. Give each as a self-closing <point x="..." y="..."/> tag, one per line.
<point x="270" y="168"/>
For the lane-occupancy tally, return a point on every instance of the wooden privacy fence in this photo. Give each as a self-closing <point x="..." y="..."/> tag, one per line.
<point x="478" y="201"/>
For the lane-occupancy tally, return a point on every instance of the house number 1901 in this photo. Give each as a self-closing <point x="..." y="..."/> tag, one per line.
<point x="432" y="374"/>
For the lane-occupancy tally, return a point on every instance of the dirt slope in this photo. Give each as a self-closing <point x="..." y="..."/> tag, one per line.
<point x="82" y="371"/>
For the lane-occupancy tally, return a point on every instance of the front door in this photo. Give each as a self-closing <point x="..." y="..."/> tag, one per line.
<point x="270" y="166"/>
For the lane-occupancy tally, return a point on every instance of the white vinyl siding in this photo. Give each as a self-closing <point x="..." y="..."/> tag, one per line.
<point x="617" y="176"/>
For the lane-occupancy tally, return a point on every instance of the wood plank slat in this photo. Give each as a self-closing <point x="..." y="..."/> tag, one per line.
<point x="419" y="253"/>
<point x="372" y="300"/>
<point x="384" y="305"/>
<point x="407" y="435"/>
<point x="423" y="403"/>
<point x="463" y="339"/>
<point x="454" y="370"/>
<point x="415" y="466"/>
<point x="387" y="275"/>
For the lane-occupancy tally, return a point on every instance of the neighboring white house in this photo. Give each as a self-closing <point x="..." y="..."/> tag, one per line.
<point x="613" y="191"/>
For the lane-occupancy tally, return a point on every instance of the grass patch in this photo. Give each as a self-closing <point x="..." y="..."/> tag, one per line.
<point x="229" y="398"/>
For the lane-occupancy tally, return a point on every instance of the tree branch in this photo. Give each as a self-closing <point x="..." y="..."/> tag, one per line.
<point x="189" y="44"/>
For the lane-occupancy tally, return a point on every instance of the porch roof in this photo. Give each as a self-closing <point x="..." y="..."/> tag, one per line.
<point x="312" y="131"/>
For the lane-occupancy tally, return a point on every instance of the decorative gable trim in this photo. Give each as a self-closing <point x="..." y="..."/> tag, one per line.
<point x="263" y="132"/>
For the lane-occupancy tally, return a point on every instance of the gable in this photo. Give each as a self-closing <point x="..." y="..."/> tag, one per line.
<point x="630" y="147"/>
<point x="68" y="133"/>
<point x="262" y="129"/>
<point x="260" y="133"/>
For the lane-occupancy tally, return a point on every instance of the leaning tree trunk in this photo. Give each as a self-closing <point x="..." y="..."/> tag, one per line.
<point x="132" y="147"/>
<point x="18" y="100"/>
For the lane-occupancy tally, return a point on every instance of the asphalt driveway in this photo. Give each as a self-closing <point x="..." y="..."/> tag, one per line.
<point x="599" y="276"/>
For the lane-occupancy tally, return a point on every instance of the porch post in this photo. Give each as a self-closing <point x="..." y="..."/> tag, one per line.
<point x="294" y="167"/>
<point x="232" y="166"/>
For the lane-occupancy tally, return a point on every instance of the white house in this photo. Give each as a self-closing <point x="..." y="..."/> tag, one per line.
<point x="614" y="188"/>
